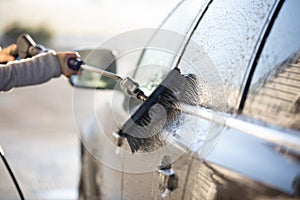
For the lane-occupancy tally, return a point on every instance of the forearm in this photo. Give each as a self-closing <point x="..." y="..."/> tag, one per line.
<point x="29" y="71"/>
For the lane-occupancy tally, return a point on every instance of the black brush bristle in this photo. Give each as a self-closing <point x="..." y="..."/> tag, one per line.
<point x="162" y="107"/>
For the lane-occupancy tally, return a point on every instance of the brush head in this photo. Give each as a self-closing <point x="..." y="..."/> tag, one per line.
<point x="160" y="112"/>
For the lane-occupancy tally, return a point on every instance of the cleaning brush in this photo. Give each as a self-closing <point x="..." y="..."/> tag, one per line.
<point x="160" y="112"/>
<point x="179" y="94"/>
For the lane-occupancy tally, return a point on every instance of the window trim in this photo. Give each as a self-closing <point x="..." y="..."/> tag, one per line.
<point x="188" y="35"/>
<point x="256" y="54"/>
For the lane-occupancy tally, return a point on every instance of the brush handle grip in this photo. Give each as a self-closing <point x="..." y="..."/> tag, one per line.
<point x="14" y="53"/>
<point x="75" y="63"/>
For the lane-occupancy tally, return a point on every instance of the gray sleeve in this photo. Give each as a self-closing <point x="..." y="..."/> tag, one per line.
<point x="30" y="71"/>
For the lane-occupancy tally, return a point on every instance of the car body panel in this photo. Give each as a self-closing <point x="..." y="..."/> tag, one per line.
<point x="99" y="147"/>
<point x="256" y="159"/>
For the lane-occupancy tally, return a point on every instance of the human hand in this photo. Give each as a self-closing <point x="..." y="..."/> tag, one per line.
<point x="63" y="58"/>
<point x="5" y="53"/>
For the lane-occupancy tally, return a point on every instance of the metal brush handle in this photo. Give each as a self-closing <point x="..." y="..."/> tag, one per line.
<point x="127" y="84"/>
<point x="76" y="64"/>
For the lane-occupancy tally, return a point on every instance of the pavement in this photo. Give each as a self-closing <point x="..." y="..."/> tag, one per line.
<point x="38" y="135"/>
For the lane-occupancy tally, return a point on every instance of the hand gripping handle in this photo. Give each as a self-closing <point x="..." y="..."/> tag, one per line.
<point x="75" y="63"/>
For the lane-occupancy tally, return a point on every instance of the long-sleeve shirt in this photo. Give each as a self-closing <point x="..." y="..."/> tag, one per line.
<point x="30" y="71"/>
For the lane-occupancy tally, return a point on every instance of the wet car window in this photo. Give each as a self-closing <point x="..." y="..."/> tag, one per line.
<point x="178" y="24"/>
<point x="274" y="91"/>
<point x="226" y="38"/>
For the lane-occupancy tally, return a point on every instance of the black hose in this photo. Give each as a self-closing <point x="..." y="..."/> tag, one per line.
<point x="11" y="174"/>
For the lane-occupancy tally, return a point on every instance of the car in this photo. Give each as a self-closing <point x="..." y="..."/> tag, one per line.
<point x="237" y="137"/>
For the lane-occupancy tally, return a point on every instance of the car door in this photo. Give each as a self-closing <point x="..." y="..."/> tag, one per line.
<point x="109" y="172"/>
<point x="161" y="54"/>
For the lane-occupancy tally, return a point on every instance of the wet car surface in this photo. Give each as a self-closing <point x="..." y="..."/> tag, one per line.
<point x="245" y="56"/>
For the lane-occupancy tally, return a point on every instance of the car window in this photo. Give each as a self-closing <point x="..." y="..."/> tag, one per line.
<point x="155" y="62"/>
<point x="226" y="38"/>
<point x="275" y="88"/>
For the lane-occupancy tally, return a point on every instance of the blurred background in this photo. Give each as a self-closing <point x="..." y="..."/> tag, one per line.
<point x="37" y="131"/>
<point x="71" y="23"/>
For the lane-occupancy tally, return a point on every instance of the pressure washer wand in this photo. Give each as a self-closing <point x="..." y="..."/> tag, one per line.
<point x="127" y="84"/>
